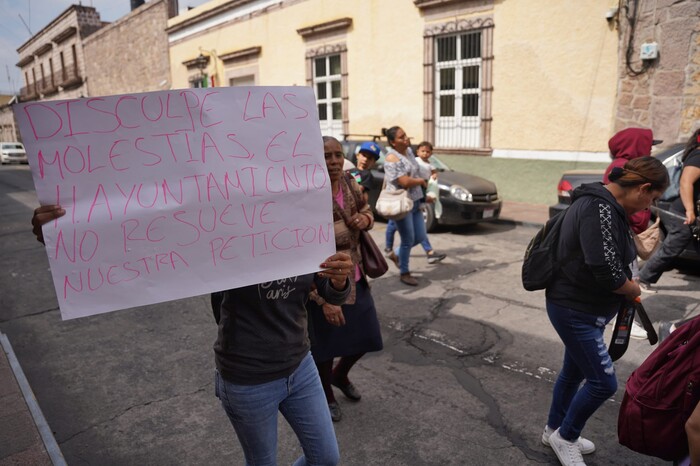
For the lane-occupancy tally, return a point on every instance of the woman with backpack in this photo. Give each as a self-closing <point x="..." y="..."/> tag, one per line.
<point x="678" y="233"/>
<point x="595" y="250"/>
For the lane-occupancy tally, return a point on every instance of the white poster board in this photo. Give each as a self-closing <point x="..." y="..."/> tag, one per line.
<point x="178" y="193"/>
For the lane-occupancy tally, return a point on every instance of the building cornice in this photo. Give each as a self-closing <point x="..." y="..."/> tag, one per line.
<point x="242" y="54"/>
<point x="429" y="4"/>
<point x="66" y="12"/>
<point x="65" y="34"/>
<point x="43" y="49"/>
<point x="207" y="14"/>
<point x="328" y="27"/>
<point x="25" y="61"/>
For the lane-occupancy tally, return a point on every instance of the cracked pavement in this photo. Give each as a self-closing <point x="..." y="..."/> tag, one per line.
<point x="465" y="377"/>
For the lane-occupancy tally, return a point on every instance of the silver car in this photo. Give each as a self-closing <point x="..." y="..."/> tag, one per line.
<point x="12" y="152"/>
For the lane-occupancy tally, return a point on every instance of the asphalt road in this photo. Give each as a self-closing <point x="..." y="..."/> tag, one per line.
<point x="465" y="377"/>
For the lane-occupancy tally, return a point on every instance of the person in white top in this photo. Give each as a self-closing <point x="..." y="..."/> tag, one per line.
<point x="428" y="173"/>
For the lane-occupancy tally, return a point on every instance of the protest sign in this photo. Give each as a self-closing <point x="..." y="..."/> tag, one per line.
<point x="178" y="193"/>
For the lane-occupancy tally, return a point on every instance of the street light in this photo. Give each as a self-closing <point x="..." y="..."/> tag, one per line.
<point x="201" y="62"/>
<point x="216" y="63"/>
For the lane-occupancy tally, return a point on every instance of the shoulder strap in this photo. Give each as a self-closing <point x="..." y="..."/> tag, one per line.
<point x="336" y="208"/>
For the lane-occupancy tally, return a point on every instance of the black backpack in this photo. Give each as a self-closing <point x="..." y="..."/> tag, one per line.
<point x="540" y="262"/>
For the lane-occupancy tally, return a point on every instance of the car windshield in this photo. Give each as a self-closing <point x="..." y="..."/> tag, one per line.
<point x="12" y="146"/>
<point x="668" y="152"/>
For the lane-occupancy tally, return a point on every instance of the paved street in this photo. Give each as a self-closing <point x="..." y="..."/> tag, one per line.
<point x="465" y="377"/>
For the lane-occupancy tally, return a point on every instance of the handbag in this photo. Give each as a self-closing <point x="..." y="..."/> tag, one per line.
<point x="372" y="259"/>
<point x="393" y="205"/>
<point x="648" y="241"/>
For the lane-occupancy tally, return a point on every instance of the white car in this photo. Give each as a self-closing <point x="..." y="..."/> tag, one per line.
<point x="12" y="152"/>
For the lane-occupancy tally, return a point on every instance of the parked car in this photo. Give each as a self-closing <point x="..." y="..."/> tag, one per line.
<point x="572" y="179"/>
<point x="12" y="152"/>
<point x="466" y="199"/>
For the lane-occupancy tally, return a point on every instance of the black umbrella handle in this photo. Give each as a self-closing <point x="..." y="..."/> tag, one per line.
<point x="646" y="322"/>
<point x="621" y="331"/>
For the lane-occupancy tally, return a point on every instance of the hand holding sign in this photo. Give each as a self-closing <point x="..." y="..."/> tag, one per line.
<point x="177" y="193"/>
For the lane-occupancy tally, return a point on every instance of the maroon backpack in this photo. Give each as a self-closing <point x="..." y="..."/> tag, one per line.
<point x="660" y="396"/>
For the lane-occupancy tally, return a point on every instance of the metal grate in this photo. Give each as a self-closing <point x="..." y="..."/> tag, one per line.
<point x="458" y="90"/>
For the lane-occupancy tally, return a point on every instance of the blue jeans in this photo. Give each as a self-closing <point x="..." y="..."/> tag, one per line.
<point x="391" y="231"/>
<point x="585" y="357"/>
<point x="252" y="410"/>
<point x="678" y="235"/>
<point x="412" y="231"/>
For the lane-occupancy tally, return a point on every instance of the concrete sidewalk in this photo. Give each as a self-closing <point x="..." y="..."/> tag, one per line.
<point x="524" y="214"/>
<point x="26" y="437"/>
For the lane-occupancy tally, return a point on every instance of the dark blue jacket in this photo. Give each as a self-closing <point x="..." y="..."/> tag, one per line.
<point x="597" y="249"/>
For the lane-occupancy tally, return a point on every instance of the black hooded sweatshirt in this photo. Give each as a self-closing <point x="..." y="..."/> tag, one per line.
<point x="596" y="248"/>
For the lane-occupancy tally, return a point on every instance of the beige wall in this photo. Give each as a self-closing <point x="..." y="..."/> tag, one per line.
<point x="554" y="72"/>
<point x="555" y="75"/>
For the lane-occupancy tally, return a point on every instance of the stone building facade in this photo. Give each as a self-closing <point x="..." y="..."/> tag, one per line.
<point x="52" y="61"/>
<point x="534" y="79"/>
<point x="662" y="93"/>
<point x="8" y="126"/>
<point x="131" y="54"/>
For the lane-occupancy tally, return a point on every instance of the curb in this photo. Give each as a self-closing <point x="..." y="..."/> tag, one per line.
<point x="42" y="426"/>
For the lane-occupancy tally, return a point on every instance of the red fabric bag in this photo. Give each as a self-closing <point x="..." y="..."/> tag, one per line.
<point x="660" y="396"/>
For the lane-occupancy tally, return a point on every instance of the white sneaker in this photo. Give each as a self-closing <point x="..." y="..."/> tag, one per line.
<point x="569" y="453"/>
<point x="585" y="445"/>
<point x="638" y="332"/>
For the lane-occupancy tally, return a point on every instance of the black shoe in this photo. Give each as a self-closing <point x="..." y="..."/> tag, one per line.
<point x="334" y="408"/>
<point x="348" y="389"/>
<point x="394" y="258"/>
<point x="434" y="258"/>
<point x="388" y="250"/>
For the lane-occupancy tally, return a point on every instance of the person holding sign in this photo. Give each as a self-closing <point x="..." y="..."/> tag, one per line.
<point x="263" y="361"/>
<point x="352" y="330"/>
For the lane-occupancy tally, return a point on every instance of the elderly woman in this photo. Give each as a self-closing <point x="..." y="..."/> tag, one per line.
<point x="402" y="171"/>
<point x="592" y="285"/>
<point x="351" y="330"/>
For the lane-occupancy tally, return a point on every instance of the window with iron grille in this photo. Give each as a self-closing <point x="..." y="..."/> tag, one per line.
<point x="327" y="86"/>
<point x="458" y="85"/>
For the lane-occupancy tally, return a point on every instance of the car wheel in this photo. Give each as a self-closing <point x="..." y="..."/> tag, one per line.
<point x="429" y="217"/>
